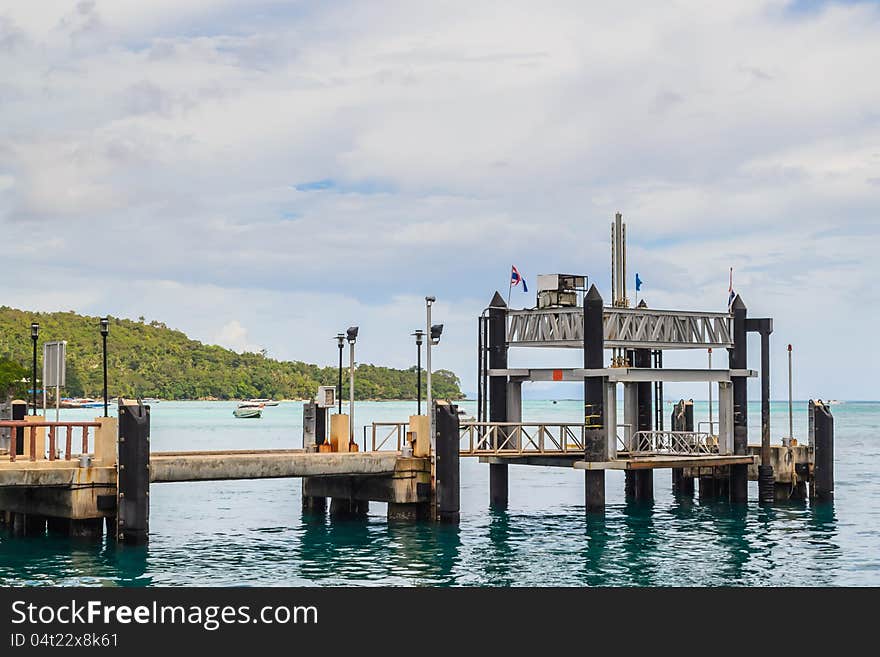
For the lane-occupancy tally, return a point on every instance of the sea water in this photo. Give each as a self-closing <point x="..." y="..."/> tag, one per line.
<point x="233" y="533"/>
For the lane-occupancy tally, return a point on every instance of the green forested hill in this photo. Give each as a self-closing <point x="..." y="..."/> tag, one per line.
<point x="152" y="360"/>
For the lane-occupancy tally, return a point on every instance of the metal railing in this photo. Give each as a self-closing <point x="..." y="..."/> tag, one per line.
<point x="52" y="436"/>
<point x="383" y="432"/>
<point x="674" y="442"/>
<point x="488" y="438"/>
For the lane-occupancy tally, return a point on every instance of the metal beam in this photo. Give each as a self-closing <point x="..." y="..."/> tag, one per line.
<point x="626" y="328"/>
<point x="625" y="374"/>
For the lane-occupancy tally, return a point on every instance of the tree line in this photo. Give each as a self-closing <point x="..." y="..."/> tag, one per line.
<point x="149" y="359"/>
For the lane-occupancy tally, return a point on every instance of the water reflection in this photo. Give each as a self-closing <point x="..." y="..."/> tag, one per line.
<point x="640" y="542"/>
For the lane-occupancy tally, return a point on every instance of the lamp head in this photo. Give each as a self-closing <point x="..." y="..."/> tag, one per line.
<point x="419" y="334"/>
<point x="430" y="300"/>
<point x="436" y="332"/>
<point x="105" y="326"/>
<point x="340" y="338"/>
<point x="352" y="334"/>
<point x="35" y="330"/>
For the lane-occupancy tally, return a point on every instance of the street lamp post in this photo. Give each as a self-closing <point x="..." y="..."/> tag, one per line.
<point x="35" y="333"/>
<point x="419" y="334"/>
<point x="341" y="340"/>
<point x="105" y="330"/>
<point x="352" y="334"/>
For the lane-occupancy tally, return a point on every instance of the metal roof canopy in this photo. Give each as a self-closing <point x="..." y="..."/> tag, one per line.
<point x="624" y="328"/>
<point x="625" y="374"/>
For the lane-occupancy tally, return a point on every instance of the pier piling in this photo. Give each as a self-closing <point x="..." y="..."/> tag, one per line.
<point x="682" y="420"/>
<point x="448" y="463"/>
<point x="643" y="480"/>
<point x="133" y="481"/>
<point x="739" y="476"/>
<point x="497" y="342"/>
<point x="596" y="442"/>
<point x="822" y="439"/>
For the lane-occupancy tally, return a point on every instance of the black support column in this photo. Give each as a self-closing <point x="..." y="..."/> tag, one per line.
<point x="448" y="467"/>
<point x="766" y="484"/>
<point x="739" y="475"/>
<point x="133" y="482"/>
<point x="497" y="339"/>
<point x="682" y="420"/>
<point x="596" y="439"/>
<point x="823" y="451"/>
<point x="643" y="480"/>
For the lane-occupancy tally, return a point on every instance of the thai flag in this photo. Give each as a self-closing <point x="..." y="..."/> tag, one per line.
<point x="731" y="295"/>
<point x="516" y="278"/>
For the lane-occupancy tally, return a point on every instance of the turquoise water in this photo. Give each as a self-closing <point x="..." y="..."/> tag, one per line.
<point x="253" y="533"/>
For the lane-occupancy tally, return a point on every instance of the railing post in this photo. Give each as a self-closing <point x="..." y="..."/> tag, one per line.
<point x="133" y="480"/>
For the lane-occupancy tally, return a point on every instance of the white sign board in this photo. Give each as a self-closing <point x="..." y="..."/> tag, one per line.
<point x="54" y="364"/>
<point x="326" y="396"/>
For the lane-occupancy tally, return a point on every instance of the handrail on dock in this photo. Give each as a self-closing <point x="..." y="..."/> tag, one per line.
<point x="396" y="429"/>
<point x="13" y="425"/>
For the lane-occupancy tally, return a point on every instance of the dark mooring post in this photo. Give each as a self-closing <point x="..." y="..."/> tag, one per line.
<point x="739" y="474"/>
<point x="766" y="483"/>
<point x="133" y="481"/>
<point x="643" y="480"/>
<point x="596" y="442"/>
<point x="497" y="339"/>
<point x="823" y="451"/>
<point x="448" y="470"/>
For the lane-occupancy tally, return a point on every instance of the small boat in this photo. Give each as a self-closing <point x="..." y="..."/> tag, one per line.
<point x="264" y="402"/>
<point x="248" y="410"/>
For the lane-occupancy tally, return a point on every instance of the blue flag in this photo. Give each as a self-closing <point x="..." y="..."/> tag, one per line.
<point x="638" y="282"/>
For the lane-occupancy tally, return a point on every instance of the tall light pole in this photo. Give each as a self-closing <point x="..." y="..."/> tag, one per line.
<point x="790" y="415"/>
<point x="352" y="334"/>
<point x="429" y="397"/>
<point x="341" y="339"/>
<point x="35" y="333"/>
<point x="105" y="330"/>
<point x="419" y="335"/>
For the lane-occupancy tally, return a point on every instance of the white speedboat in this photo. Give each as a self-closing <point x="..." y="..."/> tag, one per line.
<point x="264" y="402"/>
<point x="248" y="410"/>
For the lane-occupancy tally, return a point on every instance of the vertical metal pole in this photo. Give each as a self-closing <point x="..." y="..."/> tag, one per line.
<point x="339" y="394"/>
<point x="34" y="379"/>
<point x="711" y="428"/>
<point x="351" y="392"/>
<point x="429" y="397"/>
<point x="419" y="377"/>
<point x="643" y="480"/>
<point x="104" y="340"/>
<point x="790" y="413"/>
<point x="739" y="483"/>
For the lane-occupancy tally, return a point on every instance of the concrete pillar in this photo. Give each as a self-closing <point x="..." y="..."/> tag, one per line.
<point x="595" y="390"/>
<point x="497" y="343"/>
<point x="312" y="505"/>
<point x="739" y="476"/>
<point x="408" y="512"/>
<point x="342" y="508"/>
<point x="106" y="439"/>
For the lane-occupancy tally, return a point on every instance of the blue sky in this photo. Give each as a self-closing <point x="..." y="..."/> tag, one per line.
<point x="264" y="175"/>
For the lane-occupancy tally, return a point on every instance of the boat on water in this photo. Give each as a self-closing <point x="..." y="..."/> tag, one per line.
<point x="264" y="402"/>
<point x="84" y="402"/>
<point x="248" y="410"/>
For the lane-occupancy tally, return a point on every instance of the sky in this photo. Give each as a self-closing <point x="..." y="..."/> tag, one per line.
<point x="263" y="175"/>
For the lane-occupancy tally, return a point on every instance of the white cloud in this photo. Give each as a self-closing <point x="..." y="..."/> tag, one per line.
<point x="154" y="149"/>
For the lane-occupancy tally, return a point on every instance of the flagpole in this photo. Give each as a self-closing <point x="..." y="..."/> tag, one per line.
<point x="509" y="286"/>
